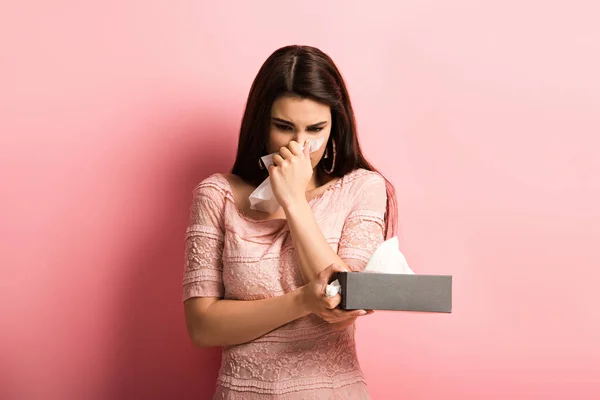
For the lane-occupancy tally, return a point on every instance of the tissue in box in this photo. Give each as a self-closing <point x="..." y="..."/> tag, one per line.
<point x="395" y="292"/>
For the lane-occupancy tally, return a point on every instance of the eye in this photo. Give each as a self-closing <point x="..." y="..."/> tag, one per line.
<point x="316" y="129"/>
<point x="282" y="127"/>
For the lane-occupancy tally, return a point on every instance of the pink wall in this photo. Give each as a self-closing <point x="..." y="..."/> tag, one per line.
<point x="486" y="117"/>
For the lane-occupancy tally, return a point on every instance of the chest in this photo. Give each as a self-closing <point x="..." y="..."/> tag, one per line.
<point x="263" y="266"/>
<point x="259" y="267"/>
<point x="259" y="257"/>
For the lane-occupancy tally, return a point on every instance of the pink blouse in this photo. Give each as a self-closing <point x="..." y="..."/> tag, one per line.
<point x="231" y="256"/>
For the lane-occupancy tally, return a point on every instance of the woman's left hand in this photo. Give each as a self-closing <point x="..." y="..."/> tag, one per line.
<point x="291" y="173"/>
<point x="338" y="326"/>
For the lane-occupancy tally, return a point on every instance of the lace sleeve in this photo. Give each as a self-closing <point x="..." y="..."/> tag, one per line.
<point x="364" y="227"/>
<point x="203" y="273"/>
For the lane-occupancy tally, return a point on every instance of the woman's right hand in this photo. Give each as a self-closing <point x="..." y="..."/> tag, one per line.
<point x="315" y="301"/>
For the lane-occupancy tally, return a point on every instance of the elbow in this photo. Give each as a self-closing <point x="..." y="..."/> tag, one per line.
<point x="200" y="325"/>
<point x="203" y="338"/>
<point x="200" y="340"/>
<point x="199" y="336"/>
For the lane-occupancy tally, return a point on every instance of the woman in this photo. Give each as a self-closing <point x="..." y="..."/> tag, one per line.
<point x="254" y="283"/>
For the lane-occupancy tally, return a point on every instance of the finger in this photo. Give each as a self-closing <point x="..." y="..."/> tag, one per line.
<point x="342" y="314"/>
<point x="330" y="270"/>
<point x="333" y="302"/>
<point x="327" y="316"/>
<point x="295" y="148"/>
<point x="325" y="274"/>
<point x="306" y="149"/>
<point x="285" y="153"/>
<point x="331" y="317"/>
<point x="359" y="313"/>
<point x="277" y="160"/>
<point x="338" y="268"/>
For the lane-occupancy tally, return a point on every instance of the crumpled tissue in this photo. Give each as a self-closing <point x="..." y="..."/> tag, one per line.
<point x="387" y="259"/>
<point x="262" y="198"/>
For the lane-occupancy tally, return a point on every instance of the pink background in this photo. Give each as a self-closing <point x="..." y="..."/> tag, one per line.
<point x="485" y="116"/>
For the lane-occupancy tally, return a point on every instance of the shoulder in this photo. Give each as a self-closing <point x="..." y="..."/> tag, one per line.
<point x="367" y="189"/>
<point x="214" y="181"/>
<point x="213" y="189"/>
<point x="361" y="179"/>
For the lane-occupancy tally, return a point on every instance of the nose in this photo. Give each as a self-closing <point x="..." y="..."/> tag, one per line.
<point x="301" y="137"/>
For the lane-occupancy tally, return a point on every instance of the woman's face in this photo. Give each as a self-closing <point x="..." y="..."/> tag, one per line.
<point x="299" y="119"/>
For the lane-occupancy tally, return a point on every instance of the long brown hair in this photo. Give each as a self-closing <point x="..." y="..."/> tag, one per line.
<point x="306" y="72"/>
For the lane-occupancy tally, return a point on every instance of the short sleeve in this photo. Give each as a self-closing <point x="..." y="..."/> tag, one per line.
<point x="203" y="273"/>
<point x="364" y="228"/>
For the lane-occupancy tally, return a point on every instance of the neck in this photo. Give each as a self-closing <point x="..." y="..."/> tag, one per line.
<point x="317" y="180"/>
<point x="313" y="184"/>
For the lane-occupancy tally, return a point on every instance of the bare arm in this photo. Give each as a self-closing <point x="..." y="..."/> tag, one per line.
<point x="312" y="249"/>
<point x="290" y="174"/>
<point x="363" y="231"/>
<point x="214" y="322"/>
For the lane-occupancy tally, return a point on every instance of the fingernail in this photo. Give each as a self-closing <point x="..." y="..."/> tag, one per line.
<point x="362" y="312"/>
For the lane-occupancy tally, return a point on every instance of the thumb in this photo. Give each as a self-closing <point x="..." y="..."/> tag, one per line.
<point x="330" y="270"/>
<point x="325" y="274"/>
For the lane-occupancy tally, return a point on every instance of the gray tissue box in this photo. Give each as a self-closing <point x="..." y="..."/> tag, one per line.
<point x="395" y="292"/>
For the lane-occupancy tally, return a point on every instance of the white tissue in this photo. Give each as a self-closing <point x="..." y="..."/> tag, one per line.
<point x="333" y="288"/>
<point x="262" y="198"/>
<point x="387" y="259"/>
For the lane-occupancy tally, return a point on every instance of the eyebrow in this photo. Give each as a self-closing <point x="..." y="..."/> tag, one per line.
<point x="283" y="121"/>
